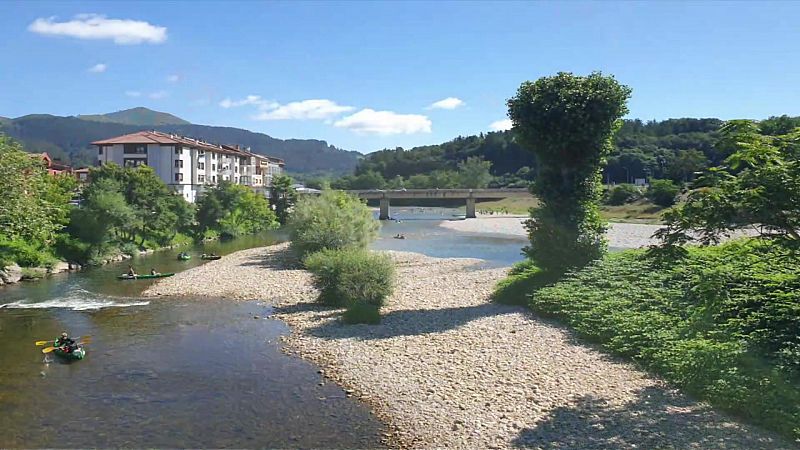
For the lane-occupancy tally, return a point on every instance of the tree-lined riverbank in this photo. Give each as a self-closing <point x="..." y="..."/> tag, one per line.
<point x="448" y="368"/>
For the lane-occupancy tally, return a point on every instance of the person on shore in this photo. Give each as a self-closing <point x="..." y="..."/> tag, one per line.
<point x="66" y="343"/>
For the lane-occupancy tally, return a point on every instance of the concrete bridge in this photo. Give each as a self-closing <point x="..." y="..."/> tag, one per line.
<point x="470" y="195"/>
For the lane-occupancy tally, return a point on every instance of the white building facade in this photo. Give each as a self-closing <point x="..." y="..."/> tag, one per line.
<point x="188" y="166"/>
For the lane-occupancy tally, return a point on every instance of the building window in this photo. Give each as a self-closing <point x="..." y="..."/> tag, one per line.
<point x="178" y="150"/>
<point x="201" y="153"/>
<point x="179" y="164"/>
<point x="213" y="167"/>
<point x="236" y="169"/>
<point x="100" y="150"/>
<point x="213" y="178"/>
<point x="201" y="178"/>
<point x="213" y="156"/>
<point x="134" y="149"/>
<point x="201" y="166"/>
<point x="134" y="162"/>
<point x="179" y="177"/>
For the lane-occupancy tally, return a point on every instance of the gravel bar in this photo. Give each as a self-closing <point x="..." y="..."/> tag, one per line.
<point x="447" y="368"/>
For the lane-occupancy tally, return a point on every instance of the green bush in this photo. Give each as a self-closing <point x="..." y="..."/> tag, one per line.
<point x="25" y="254"/>
<point x="523" y="279"/>
<point x="662" y="192"/>
<point x="362" y="313"/>
<point x="330" y="221"/>
<point x="723" y="324"/>
<point x="622" y="194"/>
<point x="129" y="248"/>
<point x="71" y="249"/>
<point x="350" y="276"/>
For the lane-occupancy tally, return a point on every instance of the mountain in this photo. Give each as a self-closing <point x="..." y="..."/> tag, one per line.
<point x="137" y="116"/>
<point x="69" y="138"/>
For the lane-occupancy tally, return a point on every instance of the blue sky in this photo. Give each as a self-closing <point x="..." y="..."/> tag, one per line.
<point x="368" y="75"/>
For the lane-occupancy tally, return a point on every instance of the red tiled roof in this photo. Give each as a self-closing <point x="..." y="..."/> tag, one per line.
<point x="158" y="137"/>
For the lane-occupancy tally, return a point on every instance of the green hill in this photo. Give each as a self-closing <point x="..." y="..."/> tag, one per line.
<point x="69" y="138"/>
<point x="137" y="116"/>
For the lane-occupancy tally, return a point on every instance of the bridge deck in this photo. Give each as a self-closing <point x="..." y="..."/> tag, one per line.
<point x="442" y="193"/>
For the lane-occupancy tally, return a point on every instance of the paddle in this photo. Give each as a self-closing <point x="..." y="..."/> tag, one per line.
<point x="50" y="349"/>
<point x="40" y="343"/>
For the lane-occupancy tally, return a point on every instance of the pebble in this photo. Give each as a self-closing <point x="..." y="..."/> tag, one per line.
<point x="444" y="354"/>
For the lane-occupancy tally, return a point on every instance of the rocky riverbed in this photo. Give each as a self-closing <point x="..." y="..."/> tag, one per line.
<point x="447" y="368"/>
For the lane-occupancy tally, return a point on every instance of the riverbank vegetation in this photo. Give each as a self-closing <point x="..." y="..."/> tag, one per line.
<point x="45" y="218"/>
<point x="720" y="321"/>
<point x="331" y="233"/>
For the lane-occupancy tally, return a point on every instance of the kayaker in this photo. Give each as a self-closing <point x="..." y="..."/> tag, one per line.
<point x="131" y="272"/>
<point x="66" y="343"/>
<point x="153" y="272"/>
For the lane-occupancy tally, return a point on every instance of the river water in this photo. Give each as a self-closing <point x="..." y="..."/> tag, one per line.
<point x="185" y="372"/>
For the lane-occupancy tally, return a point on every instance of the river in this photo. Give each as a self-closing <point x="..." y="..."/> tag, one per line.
<point x="185" y="372"/>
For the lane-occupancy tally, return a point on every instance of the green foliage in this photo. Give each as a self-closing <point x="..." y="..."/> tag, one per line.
<point x="72" y="249"/>
<point x="474" y="173"/>
<point x="757" y="188"/>
<point x="282" y="197"/>
<point x="234" y="210"/>
<point x="24" y="253"/>
<point x="622" y="194"/>
<point x="351" y="276"/>
<point x="33" y="205"/>
<point x="568" y="122"/>
<point x="331" y="220"/>
<point x="524" y="278"/>
<point x="662" y="192"/>
<point x="362" y="313"/>
<point x="723" y="324"/>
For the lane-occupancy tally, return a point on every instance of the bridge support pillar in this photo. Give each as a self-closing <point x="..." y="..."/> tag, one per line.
<point x="470" y="208"/>
<point x="384" y="215"/>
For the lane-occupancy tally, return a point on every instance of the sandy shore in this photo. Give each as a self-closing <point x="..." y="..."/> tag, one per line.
<point x="446" y="368"/>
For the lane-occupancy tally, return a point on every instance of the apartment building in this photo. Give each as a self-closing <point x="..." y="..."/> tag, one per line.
<point x="187" y="165"/>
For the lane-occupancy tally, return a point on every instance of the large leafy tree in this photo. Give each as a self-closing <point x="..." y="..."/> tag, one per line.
<point x="282" y="197"/>
<point x="568" y="121"/>
<point x="33" y="204"/>
<point x="474" y="173"/>
<point x="757" y="188"/>
<point x="233" y="210"/>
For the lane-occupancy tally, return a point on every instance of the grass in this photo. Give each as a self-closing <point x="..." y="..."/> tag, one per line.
<point x="641" y="211"/>
<point x="722" y="324"/>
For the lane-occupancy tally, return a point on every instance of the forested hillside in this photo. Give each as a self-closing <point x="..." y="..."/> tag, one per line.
<point x="671" y="149"/>
<point x="68" y="139"/>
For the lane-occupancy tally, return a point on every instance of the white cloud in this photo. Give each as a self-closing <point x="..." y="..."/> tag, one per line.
<point x="98" y="68"/>
<point x="302" y="110"/>
<point x="174" y="78"/>
<point x="157" y="95"/>
<point x="249" y="100"/>
<point x="94" y="26"/>
<point x="447" y="103"/>
<point x="501" y="125"/>
<point x="133" y="93"/>
<point x="369" y="121"/>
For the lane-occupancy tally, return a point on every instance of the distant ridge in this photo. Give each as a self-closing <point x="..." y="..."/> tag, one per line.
<point x="68" y="139"/>
<point x="137" y="116"/>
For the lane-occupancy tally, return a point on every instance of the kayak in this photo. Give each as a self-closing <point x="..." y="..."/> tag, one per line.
<point x="211" y="258"/>
<point x="184" y="257"/>
<point x="144" y="277"/>
<point x="78" y="353"/>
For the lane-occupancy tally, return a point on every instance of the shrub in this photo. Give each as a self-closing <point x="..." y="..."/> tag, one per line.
<point x="621" y="194"/>
<point x="721" y="324"/>
<point x="129" y="248"/>
<point x="362" y="313"/>
<point x="349" y="276"/>
<point x="330" y="221"/>
<point x="71" y="249"/>
<point x="523" y="280"/>
<point x="24" y="254"/>
<point x="662" y="192"/>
